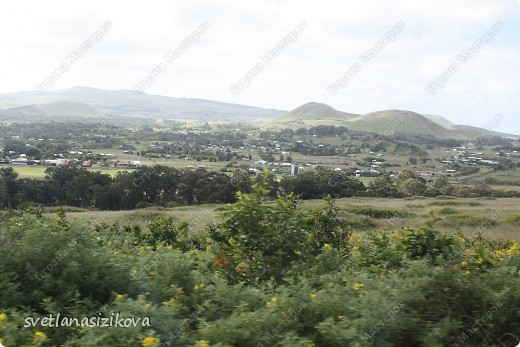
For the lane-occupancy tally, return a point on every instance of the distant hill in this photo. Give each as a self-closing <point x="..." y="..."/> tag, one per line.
<point x="466" y="131"/>
<point x="53" y="109"/>
<point x="310" y="114"/>
<point x="124" y="106"/>
<point x="127" y="103"/>
<point x="381" y="122"/>
<point x="443" y="122"/>
<point x="395" y="121"/>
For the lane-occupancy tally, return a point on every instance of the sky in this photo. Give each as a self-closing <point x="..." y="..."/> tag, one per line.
<point x="421" y="56"/>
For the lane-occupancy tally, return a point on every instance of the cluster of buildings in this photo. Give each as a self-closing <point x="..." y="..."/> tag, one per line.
<point x="465" y="157"/>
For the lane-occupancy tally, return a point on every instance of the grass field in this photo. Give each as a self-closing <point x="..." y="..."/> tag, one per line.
<point x="30" y="171"/>
<point x="38" y="172"/>
<point x="418" y="211"/>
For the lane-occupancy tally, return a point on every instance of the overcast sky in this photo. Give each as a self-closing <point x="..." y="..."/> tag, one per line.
<point x="36" y="37"/>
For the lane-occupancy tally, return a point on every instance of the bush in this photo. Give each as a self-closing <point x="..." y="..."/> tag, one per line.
<point x="144" y="215"/>
<point x="379" y="213"/>
<point x="459" y="220"/>
<point x="455" y="203"/>
<point x="414" y="206"/>
<point x="361" y="223"/>
<point x="513" y="219"/>
<point x="448" y="210"/>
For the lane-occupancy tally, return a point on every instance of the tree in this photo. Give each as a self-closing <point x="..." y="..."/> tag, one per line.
<point x="241" y="181"/>
<point x="9" y="187"/>
<point x="412" y="186"/>
<point x="382" y="186"/>
<point x="405" y="174"/>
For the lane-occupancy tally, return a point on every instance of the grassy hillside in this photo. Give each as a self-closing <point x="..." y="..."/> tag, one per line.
<point x="443" y="122"/>
<point x="393" y="121"/>
<point x="126" y="102"/>
<point x="53" y="109"/>
<point x="312" y="113"/>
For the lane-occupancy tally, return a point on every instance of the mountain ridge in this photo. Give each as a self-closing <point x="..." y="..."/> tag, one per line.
<point x="127" y="103"/>
<point x="94" y="102"/>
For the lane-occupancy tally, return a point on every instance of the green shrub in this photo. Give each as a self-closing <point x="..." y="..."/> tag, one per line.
<point x="414" y="206"/>
<point x="513" y="219"/>
<point x="448" y="210"/>
<point x="361" y="223"/>
<point x="144" y="215"/>
<point x="376" y="212"/>
<point x="445" y="197"/>
<point x="455" y="203"/>
<point x="460" y="220"/>
<point x="63" y="208"/>
<point x="57" y="261"/>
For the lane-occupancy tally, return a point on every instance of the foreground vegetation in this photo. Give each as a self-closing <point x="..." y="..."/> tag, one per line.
<point x="266" y="274"/>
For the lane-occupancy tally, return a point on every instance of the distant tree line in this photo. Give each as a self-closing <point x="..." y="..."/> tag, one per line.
<point x="166" y="186"/>
<point x="157" y="185"/>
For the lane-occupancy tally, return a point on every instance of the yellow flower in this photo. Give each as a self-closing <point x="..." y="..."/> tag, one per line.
<point x="357" y="286"/>
<point x="169" y="302"/>
<point x="196" y="287"/>
<point x="150" y="341"/>
<point x="203" y="343"/>
<point x="467" y="272"/>
<point x="479" y="260"/>
<point x="119" y="296"/>
<point x="464" y="264"/>
<point x="499" y="254"/>
<point x="39" y="337"/>
<point x="327" y="246"/>
<point x="342" y="317"/>
<point x="3" y="319"/>
<point x="313" y="296"/>
<point x="272" y="302"/>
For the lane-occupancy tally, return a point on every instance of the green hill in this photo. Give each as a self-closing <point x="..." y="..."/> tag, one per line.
<point x="398" y="121"/>
<point x="53" y="109"/>
<point x="310" y="114"/>
<point x="465" y="131"/>
<point x="443" y="122"/>
<point x="468" y="131"/>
